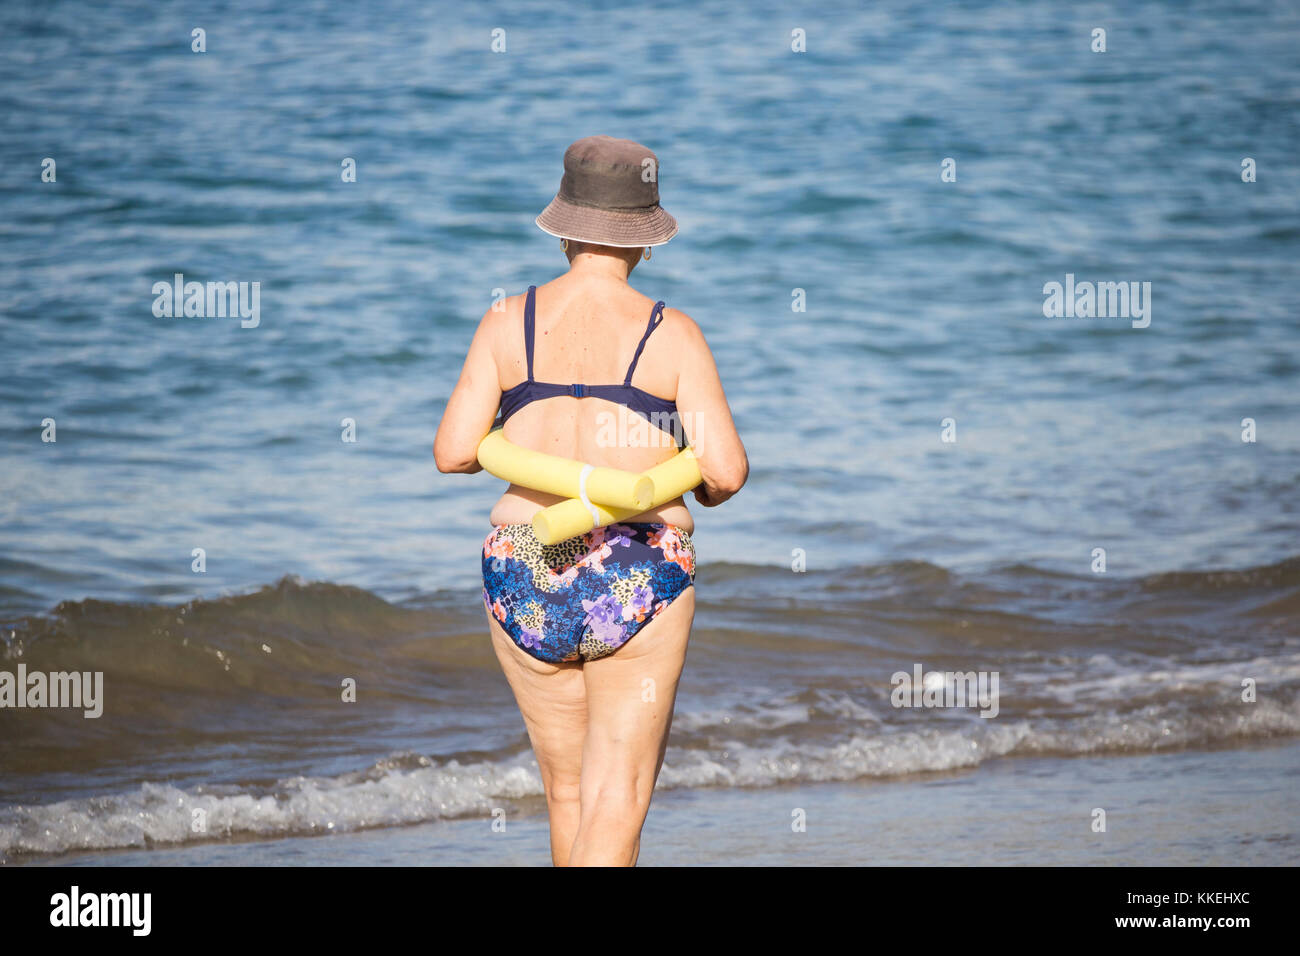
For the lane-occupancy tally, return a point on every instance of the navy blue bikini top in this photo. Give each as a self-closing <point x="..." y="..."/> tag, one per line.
<point x="657" y="411"/>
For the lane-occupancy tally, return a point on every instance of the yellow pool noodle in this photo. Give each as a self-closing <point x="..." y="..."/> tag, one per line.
<point x="561" y="476"/>
<point x="672" y="478"/>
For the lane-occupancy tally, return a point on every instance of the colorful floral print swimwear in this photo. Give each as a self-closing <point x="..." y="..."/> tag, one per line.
<point x="583" y="598"/>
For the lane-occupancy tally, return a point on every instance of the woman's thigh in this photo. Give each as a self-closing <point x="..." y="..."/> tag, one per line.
<point x="630" y="696"/>
<point x="553" y="702"/>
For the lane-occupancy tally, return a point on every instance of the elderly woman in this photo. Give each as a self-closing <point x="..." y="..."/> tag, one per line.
<point x="592" y="632"/>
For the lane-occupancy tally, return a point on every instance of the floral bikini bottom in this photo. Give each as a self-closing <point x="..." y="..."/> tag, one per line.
<point x="585" y="597"/>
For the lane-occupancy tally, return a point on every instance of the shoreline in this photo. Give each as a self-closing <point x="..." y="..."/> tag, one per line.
<point x="1220" y="807"/>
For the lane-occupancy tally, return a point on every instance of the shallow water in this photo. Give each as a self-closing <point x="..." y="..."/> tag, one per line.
<point x="817" y="172"/>
<point x="1037" y="812"/>
<point x="231" y="710"/>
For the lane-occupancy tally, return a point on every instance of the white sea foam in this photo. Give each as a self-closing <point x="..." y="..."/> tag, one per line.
<point x="395" y="793"/>
<point x="162" y="813"/>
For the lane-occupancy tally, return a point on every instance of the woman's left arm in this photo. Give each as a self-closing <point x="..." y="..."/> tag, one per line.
<point x="472" y="405"/>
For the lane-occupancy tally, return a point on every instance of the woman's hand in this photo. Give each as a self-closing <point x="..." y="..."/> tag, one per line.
<point x="710" y="499"/>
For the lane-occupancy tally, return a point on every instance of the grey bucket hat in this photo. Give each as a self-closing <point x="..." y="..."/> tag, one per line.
<point x="609" y="195"/>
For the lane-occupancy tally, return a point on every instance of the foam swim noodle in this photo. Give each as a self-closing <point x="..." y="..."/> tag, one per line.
<point x="671" y="478"/>
<point x="561" y="476"/>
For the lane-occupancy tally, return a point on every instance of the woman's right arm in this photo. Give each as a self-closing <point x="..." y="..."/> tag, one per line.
<point x="706" y="417"/>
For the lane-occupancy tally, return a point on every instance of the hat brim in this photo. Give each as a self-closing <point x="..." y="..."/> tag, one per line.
<point x="607" y="227"/>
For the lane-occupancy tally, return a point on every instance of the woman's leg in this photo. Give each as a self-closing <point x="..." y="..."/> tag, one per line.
<point x="630" y="696"/>
<point x="554" y="706"/>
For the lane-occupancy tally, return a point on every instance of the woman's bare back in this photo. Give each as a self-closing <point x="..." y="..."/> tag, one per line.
<point x="587" y="332"/>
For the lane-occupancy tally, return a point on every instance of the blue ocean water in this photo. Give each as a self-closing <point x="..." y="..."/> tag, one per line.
<point x="817" y="171"/>
<point x="798" y="178"/>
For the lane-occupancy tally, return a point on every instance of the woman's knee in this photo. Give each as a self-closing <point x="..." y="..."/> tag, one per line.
<point x="623" y="794"/>
<point x="564" y="789"/>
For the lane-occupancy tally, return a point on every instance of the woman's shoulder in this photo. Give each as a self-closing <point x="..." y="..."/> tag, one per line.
<point x="504" y="317"/>
<point x="501" y="332"/>
<point x="680" y="327"/>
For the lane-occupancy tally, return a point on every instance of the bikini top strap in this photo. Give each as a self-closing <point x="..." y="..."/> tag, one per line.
<point x="530" y="326"/>
<point x="656" y="319"/>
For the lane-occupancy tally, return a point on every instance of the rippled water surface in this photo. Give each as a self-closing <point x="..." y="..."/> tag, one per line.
<point x="817" y="172"/>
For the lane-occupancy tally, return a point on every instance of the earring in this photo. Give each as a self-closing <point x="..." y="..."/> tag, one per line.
<point x="564" y="244"/>
<point x="646" y="255"/>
